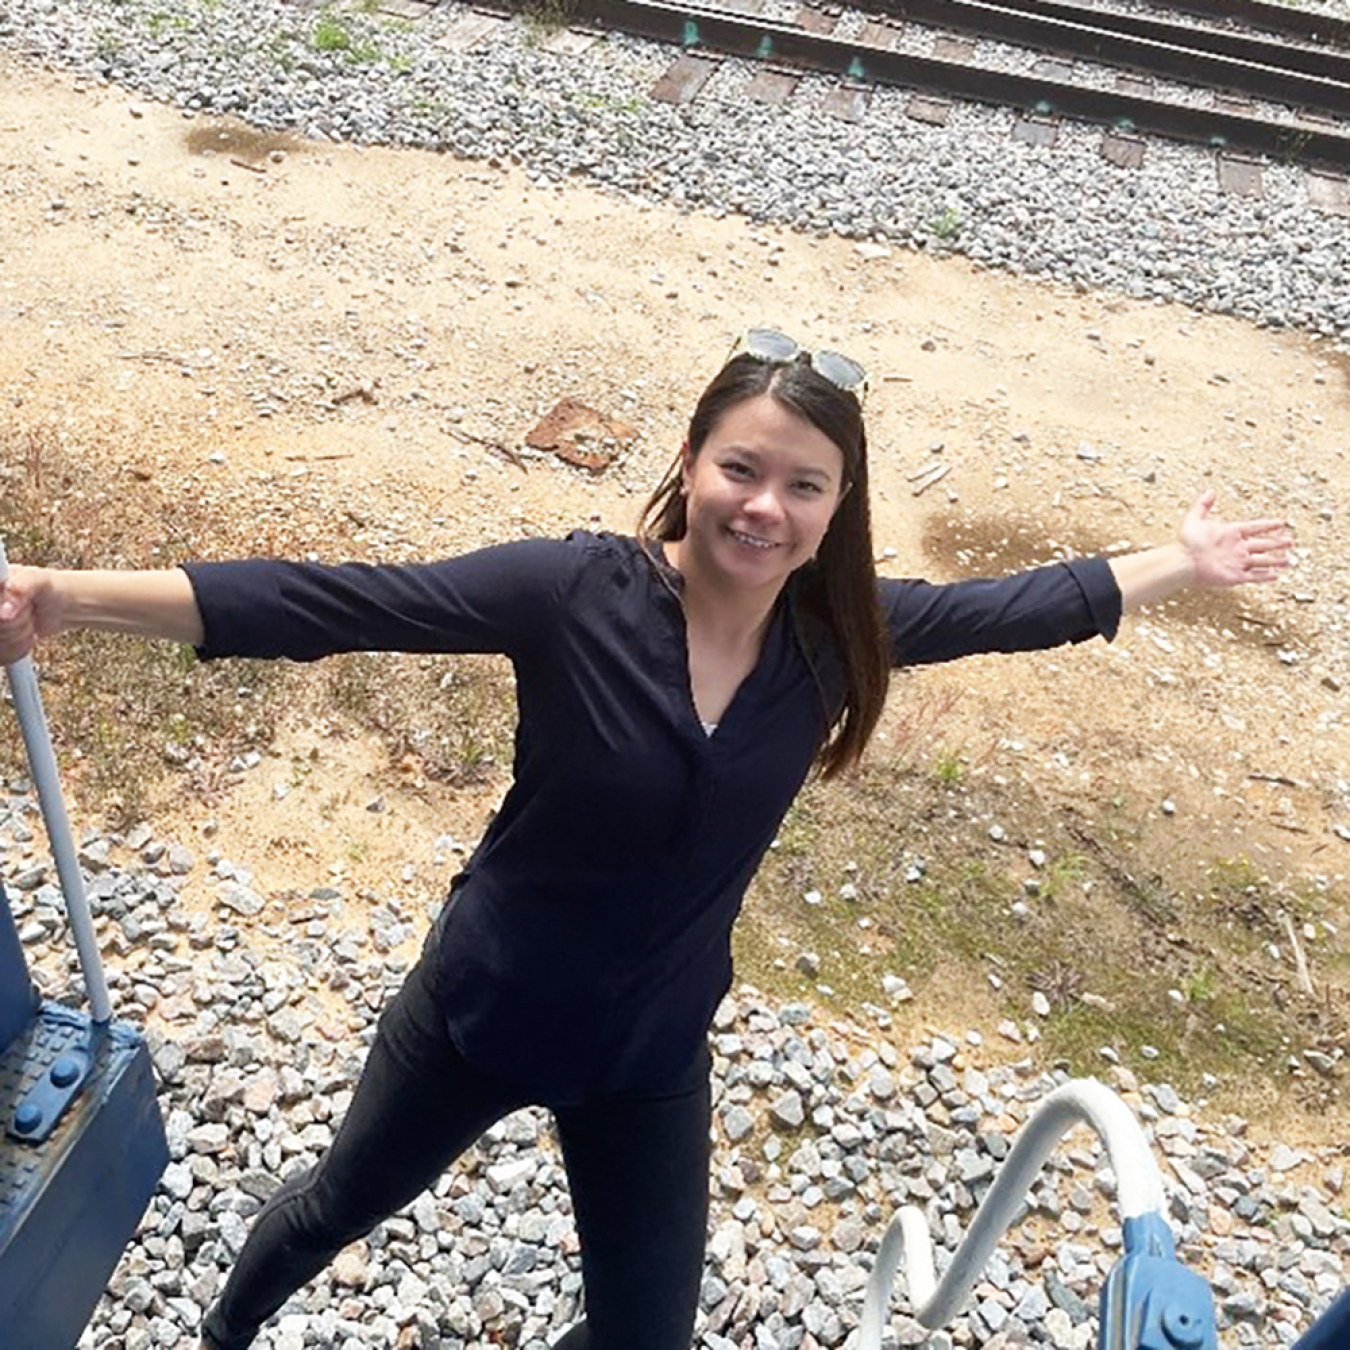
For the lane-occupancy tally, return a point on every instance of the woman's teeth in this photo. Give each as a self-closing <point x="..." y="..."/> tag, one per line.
<point x="751" y="540"/>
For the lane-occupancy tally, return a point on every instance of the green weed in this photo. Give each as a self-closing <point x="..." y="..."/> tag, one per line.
<point x="1059" y="877"/>
<point x="608" y="103"/>
<point x="330" y="34"/>
<point x="948" y="768"/>
<point x="946" y="226"/>
<point x="165" y="21"/>
<point x="1201" y="984"/>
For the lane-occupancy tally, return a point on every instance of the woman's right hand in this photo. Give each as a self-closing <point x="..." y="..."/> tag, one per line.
<point x="30" y="608"/>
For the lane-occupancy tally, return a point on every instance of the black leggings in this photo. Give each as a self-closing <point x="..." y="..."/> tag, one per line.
<point x="637" y="1169"/>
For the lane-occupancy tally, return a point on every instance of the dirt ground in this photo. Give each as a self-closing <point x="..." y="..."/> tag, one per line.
<point x="340" y="351"/>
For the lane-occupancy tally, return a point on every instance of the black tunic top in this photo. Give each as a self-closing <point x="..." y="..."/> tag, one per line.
<point x="588" y="938"/>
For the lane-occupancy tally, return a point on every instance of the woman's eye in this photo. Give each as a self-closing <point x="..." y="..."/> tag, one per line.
<point x="810" y="487"/>
<point x="736" y="469"/>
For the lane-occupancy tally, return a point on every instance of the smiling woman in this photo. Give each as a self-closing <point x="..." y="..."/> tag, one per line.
<point x="764" y="488"/>
<point x="675" y="691"/>
<point x="771" y="483"/>
<point x="759" y="498"/>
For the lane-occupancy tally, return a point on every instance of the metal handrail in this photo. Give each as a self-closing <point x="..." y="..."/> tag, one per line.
<point x="37" y="741"/>
<point x="1162" y="1290"/>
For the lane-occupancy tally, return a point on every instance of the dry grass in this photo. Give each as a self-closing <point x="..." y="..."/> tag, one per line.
<point x="1132" y="946"/>
<point x="447" y="718"/>
<point x="127" y="716"/>
<point x="137" y="723"/>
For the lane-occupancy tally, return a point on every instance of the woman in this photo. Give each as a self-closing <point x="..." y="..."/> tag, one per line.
<point x="674" y="692"/>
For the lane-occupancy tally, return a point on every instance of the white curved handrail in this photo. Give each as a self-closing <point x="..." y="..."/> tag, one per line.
<point x="1138" y="1186"/>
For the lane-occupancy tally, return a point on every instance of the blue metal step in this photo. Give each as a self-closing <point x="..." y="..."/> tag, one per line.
<point x="18" y="1002"/>
<point x="70" y="1204"/>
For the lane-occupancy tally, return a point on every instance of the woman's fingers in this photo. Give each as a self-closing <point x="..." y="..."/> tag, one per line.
<point x="17" y="622"/>
<point x="1259" y="550"/>
<point x="16" y="641"/>
<point x="1263" y="529"/>
<point x="1268" y="545"/>
<point x="1272" y="555"/>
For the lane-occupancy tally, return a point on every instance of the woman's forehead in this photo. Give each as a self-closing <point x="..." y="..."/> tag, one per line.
<point x="765" y="426"/>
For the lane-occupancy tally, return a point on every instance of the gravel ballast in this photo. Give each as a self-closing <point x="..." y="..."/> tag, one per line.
<point x="1164" y="232"/>
<point x="822" y="1130"/>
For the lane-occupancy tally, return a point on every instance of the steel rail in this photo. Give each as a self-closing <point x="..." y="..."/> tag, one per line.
<point x="1255" y="49"/>
<point x="1089" y="34"/>
<point x="1309" y="24"/>
<point x="692" y="26"/>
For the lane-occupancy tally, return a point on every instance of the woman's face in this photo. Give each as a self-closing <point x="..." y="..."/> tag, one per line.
<point x="760" y="495"/>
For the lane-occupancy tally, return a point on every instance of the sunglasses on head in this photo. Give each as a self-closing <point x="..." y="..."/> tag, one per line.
<point x="778" y="349"/>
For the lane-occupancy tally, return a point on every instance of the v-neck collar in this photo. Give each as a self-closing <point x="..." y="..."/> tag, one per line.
<point x="687" y="710"/>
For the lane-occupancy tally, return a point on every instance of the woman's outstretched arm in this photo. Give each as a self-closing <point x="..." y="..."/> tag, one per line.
<point x="38" y="602"/>
<point x="1079" y="599"/>
<point x="1208" y="553"/>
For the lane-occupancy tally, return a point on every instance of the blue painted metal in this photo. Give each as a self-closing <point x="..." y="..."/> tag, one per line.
<point x="70" y="1201"/>
<point x="1151" y="1301"/>
<point x="1331" y="1331"/>
<point x="38" y="1114"/>
<point x="18" y="999"/>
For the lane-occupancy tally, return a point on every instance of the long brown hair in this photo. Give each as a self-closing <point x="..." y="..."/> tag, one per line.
<point x="839" y="588"/>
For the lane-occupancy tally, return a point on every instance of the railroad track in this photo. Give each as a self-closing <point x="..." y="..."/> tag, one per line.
<point x="1246" y="78"/>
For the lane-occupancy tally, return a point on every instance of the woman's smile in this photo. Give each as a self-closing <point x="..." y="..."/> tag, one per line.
<point x="753" y="541"/>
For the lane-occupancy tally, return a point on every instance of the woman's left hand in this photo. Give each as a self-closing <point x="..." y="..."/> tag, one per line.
<point x="1225" y="553"/>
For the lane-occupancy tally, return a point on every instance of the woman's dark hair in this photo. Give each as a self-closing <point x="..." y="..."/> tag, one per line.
<point x="839" y="588"/>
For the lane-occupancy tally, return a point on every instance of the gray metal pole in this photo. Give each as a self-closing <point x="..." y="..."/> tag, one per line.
<point x="37" y="740"/>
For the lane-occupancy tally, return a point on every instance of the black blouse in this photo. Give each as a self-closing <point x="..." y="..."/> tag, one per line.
<point x="587" y="941"/>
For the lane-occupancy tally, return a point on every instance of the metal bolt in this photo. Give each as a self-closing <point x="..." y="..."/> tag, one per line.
<point x="65" y="1071"/>
<point x="27" y="1118"/>
<point x="1185" y="1330"/>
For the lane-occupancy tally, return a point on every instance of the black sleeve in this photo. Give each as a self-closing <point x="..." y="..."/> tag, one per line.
<point x="498" y="599"/>
<point x="1046" y="607"/>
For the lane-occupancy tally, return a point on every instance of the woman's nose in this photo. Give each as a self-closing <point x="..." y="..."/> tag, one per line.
<point x="765" y="502"/>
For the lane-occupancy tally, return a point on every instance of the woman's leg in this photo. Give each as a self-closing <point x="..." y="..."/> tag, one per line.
<point x="417" y="1106"/>
<point x="638" y="1173"/>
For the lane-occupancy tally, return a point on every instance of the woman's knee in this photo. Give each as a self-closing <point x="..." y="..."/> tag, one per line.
<point x="318" y="1212"/>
